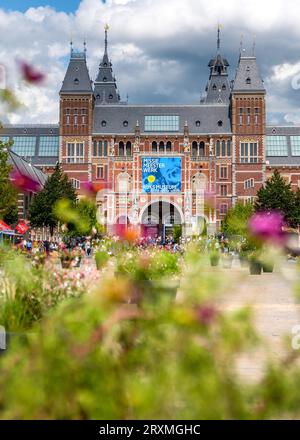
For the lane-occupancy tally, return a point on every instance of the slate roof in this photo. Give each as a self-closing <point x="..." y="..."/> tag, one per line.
<point x="77" y="78"/>
<point x="27" y="169"/>
<point x="248" y="69"/>
<point x="208" y="115"/>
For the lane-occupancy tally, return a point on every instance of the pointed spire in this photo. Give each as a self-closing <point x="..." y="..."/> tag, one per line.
<point x="105" y="91"/>
<point x="71" y="47"/>
<point x="218" y="38"/>
<point x="106" y="28"/>
<point x="254" y="45"/>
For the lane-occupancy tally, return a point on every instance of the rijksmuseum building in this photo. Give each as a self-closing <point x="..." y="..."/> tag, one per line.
<point x="158" y="165"/>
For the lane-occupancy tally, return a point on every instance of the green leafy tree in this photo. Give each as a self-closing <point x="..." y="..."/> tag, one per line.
<point x="85" y="219"/>
<point x="8" y="195"/>
<point x="236" y="219"/>
<point x="276" y="194"/>
<point x="57" y="187"/>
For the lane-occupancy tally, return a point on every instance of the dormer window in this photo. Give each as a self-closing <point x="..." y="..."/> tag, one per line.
<point x="198" y="123"/>
<point x="105" y="65"/>
<point x="110" y="96"/>
<point x="220" y="123"/>
<point x="214" y="87"/>
<point x="98" y="97"/>
<point x="103" y="123"/>
<point x="105" y="79"/>
<point x="125" y="123"/>
<point x="76" y="81"/>
<point x="248" y="80"/>
<point x="223" y="87"/>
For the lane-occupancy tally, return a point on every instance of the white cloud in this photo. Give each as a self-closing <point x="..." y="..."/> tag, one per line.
<point x="159" y="48"/>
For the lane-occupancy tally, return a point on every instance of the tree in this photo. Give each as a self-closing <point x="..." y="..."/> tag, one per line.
<point x="84" y="220"/>
<point x="276" y="194"/>
<point x="8" y="194"/>
<point x="57" y="187"/>
<point x="236" y="219"/>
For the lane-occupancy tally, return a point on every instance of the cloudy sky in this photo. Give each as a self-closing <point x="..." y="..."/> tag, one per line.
<point x="159" y="48"/>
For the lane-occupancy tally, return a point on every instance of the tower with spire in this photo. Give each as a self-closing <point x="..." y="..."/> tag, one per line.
<point x="105" y="90"/>
<point x="218" y="89"/>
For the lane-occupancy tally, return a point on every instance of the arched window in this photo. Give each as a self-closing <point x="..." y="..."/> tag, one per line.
<point x="218" y="148"/>
<point x="214" y="87"/>
<point x="194" y="148"/>
<point x="223" y="87"/>
<point x="121" y="149"/>
<point x="98" y="96"/>
<point x="128" y="148"/>
<point x="123" y="180"/>
<point x="248" y="80"/>
<point x="154" y="146"/>
<point x="228" y="148"/>
<point x="169" y="146"/>
<point x="220" y="123"/>
<point x="76" y="81"/>
<point x="198" y="182"/>
<point x="161" y="147"/>
<point x="202" y="148"/>
<point x="223" y="148"/>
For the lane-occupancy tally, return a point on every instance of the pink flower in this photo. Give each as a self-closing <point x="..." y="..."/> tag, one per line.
<point x="24" y="183"/>
<point x="30" y="73"/>
<point x="267" y="226"/>
<point x="206" y="314"/>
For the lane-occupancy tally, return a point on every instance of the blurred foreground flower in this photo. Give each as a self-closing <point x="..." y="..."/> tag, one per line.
<point x="24" y="183"/>
<point x="9" y="99"/>
<point x="30" y="73"/>
<point x="91" y="189"/>
<point x="267" y="226"/>
<point x="206" y="314"/>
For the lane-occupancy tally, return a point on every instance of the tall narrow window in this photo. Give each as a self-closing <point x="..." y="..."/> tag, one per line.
<point x="201" y="148"/>
<point x="161" y="147"/>
<point x="154" y="147"/>
<point x="241" y="116"/>
<point x="228" y="148"/>
<point x="218" y="148"/>
<point x="248" y="116"/>
<point x="194" y="148"/>
<point x="256" y="111"/>
<point x="223" y="148"/>
<point x="169" y="147"/>
<point x="121" y="149"/>
<point x="249" y="152"/>
<point x="128" y="148"/>
<point x="223" y="190"/>
<point x="223" y="172"/>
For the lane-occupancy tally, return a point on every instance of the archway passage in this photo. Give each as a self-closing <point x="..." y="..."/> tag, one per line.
<point x="159" y="219"/>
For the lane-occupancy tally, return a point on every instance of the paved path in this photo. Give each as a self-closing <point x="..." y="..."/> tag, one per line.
<point x="272" y="297"/>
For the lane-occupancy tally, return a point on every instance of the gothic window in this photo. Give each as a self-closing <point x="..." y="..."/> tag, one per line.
<point x="105" y="79"/>
<point x="154" y="147"/>
<point x="198" y="182"/>
<point x="248" y="80"/>
<point x="128" y="148"/>
<point x="194" y="148"/>
<point x="202" y="148"/>
<point x="161" y="147"/>
<point x="214" y="87"/>
<point x="223" y="87"/>
<point x="169" y="147"/>
<point x="124" y="183"/>
<point x="121" y="149"/>
<point x="103" y="123"/>
<point x="76" y="81"/>
<point x="198" y="123"/>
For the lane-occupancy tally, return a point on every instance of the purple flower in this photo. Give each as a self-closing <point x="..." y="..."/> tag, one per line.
<point x="267" y="226"/>
<point x="206" y="314"/>
<point x="24" y="183"/>
<point x="30" y="73"/>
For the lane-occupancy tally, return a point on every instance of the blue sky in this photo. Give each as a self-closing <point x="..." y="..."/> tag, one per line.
<point x="23" y="5"/>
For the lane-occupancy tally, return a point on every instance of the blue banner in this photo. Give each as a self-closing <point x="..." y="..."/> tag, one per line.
<point x="161" y="174"/>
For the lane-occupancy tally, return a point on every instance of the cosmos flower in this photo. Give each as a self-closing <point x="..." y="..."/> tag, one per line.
<point x="30" y="73"/>
<point x="267" y="226"/>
